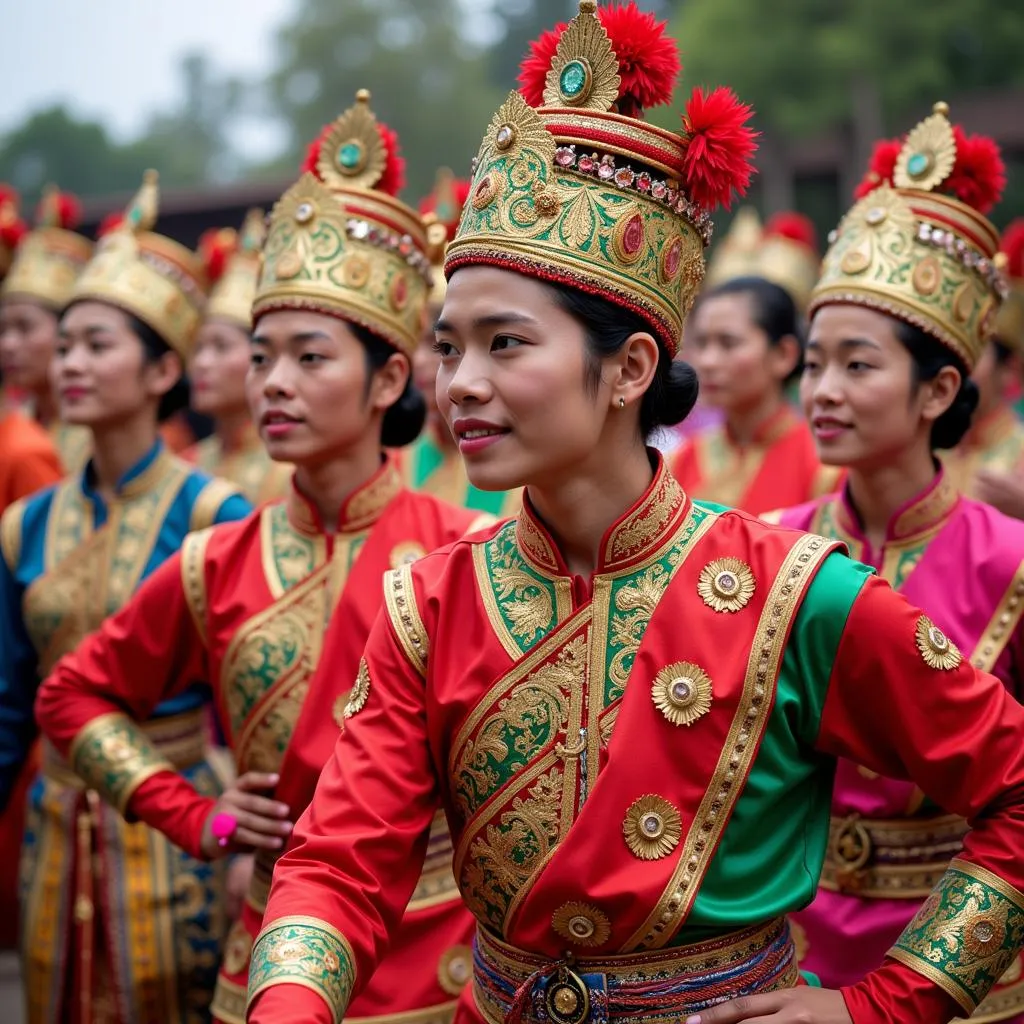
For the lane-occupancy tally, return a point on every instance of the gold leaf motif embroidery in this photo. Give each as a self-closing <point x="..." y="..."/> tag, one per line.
<point x="585" y="71"/>
<point x="514" y="128"/>
<point x="581" y="924"/>
<point x="937" y="650"/>
<point x="652" y="827"/>
<point x="360" y="692"/>
<point x="682" y="692"/>
<point x="928" y="154"/>
<point x="726" y="584"/>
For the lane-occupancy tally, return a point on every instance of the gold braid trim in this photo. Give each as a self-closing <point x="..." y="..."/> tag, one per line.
<point x="400" y="600"/>
<point x="10" y="533"/>
<point x="966" y="934"/>
<point x="193" y="577"/>
<point x="1003" y="624"/>
<point x="308" y="952"/>
<point x="208" y="503"/>
<point x="112" y="755"/>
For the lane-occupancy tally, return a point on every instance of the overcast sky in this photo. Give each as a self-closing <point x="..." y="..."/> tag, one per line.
<point x="117" y="60"/>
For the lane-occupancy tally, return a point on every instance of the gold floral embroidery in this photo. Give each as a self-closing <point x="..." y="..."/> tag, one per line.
<point x="406" y="553"/>
<point x="237" y="949"/>
<point x="581" y="924"/>
<point x="682" y="692"/>
<point x="400" y="601"/>
<point x="652" y="827"/>
<point x="455" y="969"/>
<point x="937" y="650"/>
<point x="726" y="584"/>
<point x="646" y="524"/>
<point x="360" y="692"/>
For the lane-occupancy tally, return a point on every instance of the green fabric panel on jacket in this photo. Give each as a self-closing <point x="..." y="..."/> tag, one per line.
<point x="773" y="848"/>
<point x="427" y="457"/>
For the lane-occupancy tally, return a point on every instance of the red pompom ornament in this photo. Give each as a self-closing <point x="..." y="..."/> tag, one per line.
<point x="216" y="247"/>
<point x="880" y="168"/>
<point x="59" y="210"/>
<point x="649" y="62"/>
<point x="794" y="226"/>
<point x="720" y="144"/>
<point x="1012" y="245"/>
<point x="979" y="174"/>
<point x="112" y="222"/>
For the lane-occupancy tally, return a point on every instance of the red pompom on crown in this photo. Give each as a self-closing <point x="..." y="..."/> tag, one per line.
<point x="718" y="164"/>
<point x="59" y="210"/>
<point x="1012" y="245"/>
<point x="12" y="228"/>
<point x="112" y="222"/>
<point x="648" y="59"/>
<point x="977" y="179"/>
<point x="794" y="226"/>
<point x="391" y="181"/>
<point x="215" y="248"/>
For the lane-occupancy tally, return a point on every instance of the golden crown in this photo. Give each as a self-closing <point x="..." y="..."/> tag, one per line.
<point x="574" y="191"/>
<point x="339" y="245"/>
<point x="441" y="212"/>
<point x="148" y="275"/>
<point x="736" y="254"/>
<point x="916" y="253"/>
<point x="231" y="297"/>
<point x="48" y="260"/>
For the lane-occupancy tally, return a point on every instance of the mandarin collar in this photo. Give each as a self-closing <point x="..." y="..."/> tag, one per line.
<point x="630" y="540"/>
<point x="768" y="430"/>
<point x="921" y="515"/>
<point x="360" y="510"/>
<point x="138" y="479"/>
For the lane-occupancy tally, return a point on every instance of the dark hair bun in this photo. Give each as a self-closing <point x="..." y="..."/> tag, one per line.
<point x="671" y="396"/>
<point x="404" y="420"/>
<point x="951" y="427"/>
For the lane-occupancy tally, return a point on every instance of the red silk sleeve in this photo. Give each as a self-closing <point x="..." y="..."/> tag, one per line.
<point x="357" y="851"/>
<point x="951" y="729"/>
<point x="144" y="654"/>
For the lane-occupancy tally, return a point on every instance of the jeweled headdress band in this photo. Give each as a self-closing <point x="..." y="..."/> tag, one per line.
<point x="917" y="245"/>
<point x="571" y="185"/>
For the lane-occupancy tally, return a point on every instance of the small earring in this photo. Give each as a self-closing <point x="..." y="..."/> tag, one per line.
<point x="622" y="402"/>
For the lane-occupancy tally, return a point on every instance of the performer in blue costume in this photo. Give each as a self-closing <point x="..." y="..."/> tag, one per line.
<point x="117" y="924"/>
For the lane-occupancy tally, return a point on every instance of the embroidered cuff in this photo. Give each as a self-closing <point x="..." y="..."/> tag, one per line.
<point x="966" y="934"/>
<point x="114" y="756"/>
<point x="304" y="951"/>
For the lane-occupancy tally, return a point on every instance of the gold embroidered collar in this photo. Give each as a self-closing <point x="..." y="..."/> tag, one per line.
<point x="360" y="510"/>
<point x="923" y="515"/>
<point x="628" y="541"/>
<point x="141" y="478"/>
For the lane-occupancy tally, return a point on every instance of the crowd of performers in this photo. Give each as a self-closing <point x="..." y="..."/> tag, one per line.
<point x="473" y="668"/>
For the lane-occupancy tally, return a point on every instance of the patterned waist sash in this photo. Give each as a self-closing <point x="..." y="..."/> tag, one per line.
<point x="895" y="859"/>
<point x="182" y="739"/>
<point x="511" y="985"/>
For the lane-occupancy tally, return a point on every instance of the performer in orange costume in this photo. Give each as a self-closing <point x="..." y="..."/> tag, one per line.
<point x="246" y="607"/>
<point x="221" y="360"/>
<point x="628" y="702"/>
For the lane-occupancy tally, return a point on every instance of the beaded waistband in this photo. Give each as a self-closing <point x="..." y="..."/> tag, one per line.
<point x="511" y="985"/>
<point x="183" y="739"/>
<point x="896" y="859"/>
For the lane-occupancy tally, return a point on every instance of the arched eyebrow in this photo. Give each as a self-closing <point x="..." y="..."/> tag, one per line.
<point x="302" y="338"/>
<point x="848" y="343"/>
<point x="491" y="320"/>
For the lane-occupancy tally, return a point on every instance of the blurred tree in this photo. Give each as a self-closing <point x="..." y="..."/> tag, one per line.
<point x="428" y="84"/>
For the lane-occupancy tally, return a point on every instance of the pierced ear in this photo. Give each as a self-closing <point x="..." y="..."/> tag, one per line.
<point x="164" y="373"/>
<point x="636" y="364"/>
<point x="389" y="381"/>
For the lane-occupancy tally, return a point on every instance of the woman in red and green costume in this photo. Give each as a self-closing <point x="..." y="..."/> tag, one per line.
<point x="337" y="313"/>
<point x="628" y="703"/>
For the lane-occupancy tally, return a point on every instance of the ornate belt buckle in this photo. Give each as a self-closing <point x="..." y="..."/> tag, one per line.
<point x="567" y="998"/>
<point x="851" y="851"/>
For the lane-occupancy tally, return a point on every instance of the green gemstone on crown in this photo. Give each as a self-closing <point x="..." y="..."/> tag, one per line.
<point x="918" y="164"/>
<point x="350" y="155"/>
<point x="573" y="79"/>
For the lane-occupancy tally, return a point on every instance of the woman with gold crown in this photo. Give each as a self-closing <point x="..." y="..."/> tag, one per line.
<point x="988" y="464"/>
<point x="434" y="464"/>
<point x="629" y="703"/>
<point x="33" y="295"/>
<point x="745" y="340"/>
<point x="901" y="316"/>
<point x="221" y="360"/>
<point x="118" y="924"/>
<point x="338" y="312"/>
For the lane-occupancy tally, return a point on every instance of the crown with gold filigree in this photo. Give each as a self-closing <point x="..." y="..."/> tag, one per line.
<point x="441" y="212"/>
<point x="735" y="255"/>
<point x="339" y="241"/>
<point x="12" y="228"/>
<point x="232" y="260"/>
<point x="51" y="256"/>
<point x="572" y="185"/>
<point x="917" y="245"/>
<point x="1009" y="325"/>
<point x="788" y="255"/>
<point x="147" y="275"/>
